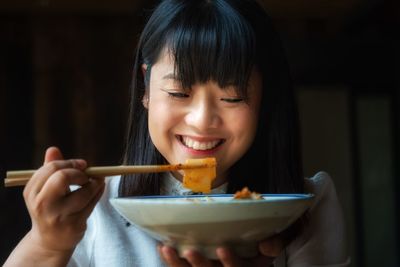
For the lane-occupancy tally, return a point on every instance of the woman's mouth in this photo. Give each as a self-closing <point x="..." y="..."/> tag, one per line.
<point x="199" y="144"/>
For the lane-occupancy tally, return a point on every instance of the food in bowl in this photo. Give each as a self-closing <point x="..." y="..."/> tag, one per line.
<point x="245" y="193"/>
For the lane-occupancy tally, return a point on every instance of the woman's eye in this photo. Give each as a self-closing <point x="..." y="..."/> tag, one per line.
<point x="178" y="95"/>
<point x="232" y="100"/>
<point x="175" y="93"/>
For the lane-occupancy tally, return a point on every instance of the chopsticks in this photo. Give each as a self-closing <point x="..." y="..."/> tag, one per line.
<point x="21" y="177"/>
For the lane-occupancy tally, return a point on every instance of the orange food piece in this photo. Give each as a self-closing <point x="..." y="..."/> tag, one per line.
<point x="200" y="179"/>
<point x="245" y="193"/>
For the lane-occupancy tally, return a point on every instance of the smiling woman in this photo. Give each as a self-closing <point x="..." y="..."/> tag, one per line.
<point x="210" y="79"/>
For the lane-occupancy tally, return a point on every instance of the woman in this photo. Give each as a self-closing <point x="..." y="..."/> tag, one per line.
<point x="210" y="79"/>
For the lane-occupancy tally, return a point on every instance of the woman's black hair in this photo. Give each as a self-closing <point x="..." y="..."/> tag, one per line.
<point x="223" y="41"/>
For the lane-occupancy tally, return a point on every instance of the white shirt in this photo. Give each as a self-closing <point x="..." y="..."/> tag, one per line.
<point x="110" y="241"/>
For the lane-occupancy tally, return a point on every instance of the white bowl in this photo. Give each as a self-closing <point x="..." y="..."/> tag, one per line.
<point x="205" y="222"/>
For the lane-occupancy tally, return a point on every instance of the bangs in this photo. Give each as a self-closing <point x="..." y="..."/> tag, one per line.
<point x="207" y="45"/>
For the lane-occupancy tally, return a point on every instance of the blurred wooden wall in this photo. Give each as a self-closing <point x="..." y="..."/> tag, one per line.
<point x="64" y="81"/>
<point x="82" y="73"/>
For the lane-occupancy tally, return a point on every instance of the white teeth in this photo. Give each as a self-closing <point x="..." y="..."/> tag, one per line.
<point x="199" y="145"/>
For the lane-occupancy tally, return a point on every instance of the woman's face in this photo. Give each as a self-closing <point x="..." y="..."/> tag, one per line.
<point x="206" y="122"/>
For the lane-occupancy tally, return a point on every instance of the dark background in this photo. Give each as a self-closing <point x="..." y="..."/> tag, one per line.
<point x="65" y="70"/>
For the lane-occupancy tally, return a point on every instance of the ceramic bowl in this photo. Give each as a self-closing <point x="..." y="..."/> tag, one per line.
<point x="204" y="222"/>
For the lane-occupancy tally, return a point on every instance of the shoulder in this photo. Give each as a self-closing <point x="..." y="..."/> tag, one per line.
<point x="326" y="205"/>
<point x="319" y="183"/>
<point x="323" y="240"/>
<point x="323" y="188"/>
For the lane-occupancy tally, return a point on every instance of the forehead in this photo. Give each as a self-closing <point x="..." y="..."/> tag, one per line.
<point x="166" y="63"/>
<point x="165" y="59"/>
<point x="164" y="70"/>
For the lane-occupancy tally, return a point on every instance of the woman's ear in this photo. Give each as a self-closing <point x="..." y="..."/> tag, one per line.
<point x="144" y="68"/>
<point x="145" y="100"/>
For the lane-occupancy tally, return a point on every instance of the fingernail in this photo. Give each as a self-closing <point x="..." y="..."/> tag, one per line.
<point x="267" y="248"/>
<point x="80" y="164"/>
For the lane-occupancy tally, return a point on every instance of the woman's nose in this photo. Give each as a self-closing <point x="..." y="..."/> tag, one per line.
<point x="203" y="115"/>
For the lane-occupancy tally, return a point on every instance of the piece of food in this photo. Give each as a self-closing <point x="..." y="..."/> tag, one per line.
<point x="200" y="179"/>
<point x="245" y="193"/>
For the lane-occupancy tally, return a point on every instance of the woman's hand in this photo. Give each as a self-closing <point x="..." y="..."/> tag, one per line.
<point x="269" y="250"/>
<point x="59" y="215"/>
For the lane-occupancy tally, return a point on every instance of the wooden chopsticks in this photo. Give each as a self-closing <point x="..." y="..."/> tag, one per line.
<point x="18" y="178"/>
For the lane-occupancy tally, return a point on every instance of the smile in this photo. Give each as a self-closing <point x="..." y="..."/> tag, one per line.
<point x="200" y="145"/>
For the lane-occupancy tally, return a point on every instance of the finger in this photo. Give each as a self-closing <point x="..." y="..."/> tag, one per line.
<point x="92" y="204"/>
<point x="271" y="247"/>
<point x="40" y="177"/>
<point x="52" y="153"/>
<point x="196" y="259"/>
<point x="46" y="171"/>
<point x="58" y="184"/>
<point x="171" y="257"/>
<point x="83" y="197"/>
<point x="228" y="258"/>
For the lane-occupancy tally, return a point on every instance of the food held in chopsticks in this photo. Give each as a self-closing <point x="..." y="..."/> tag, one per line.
<point x="200" y="179"/>
<point x="199" y="173"/>
<point x="245" y="193"/>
